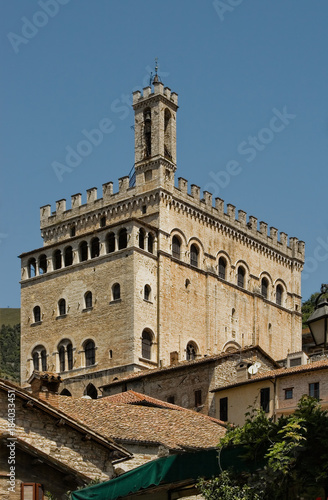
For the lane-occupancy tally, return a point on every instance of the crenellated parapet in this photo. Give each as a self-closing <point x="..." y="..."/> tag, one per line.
<point x="249" y="226"/>
<point x="159" y="90"/>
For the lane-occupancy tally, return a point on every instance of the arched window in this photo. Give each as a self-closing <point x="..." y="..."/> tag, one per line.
<point x="62" y="307"/>
<point x="72" y="230"/>
<point x="194" y="255"/>
<point x="141" y="238"/>
<point x="191" y="351"/>
<point x="65" y="353"/>
<point x="147" y="132"/>
<point x="39" y="356"/>
<point x="91" y="391"/>
<point x="146" y="343"/>
<point x="222" y="268"/>
<point x="264" y="288"/>
<point x="68" y="257"/>
<point x="57" y="259"/>
<point x="110" y="240"/>
<point x="147" y="292"/>
<point x="95" y="247"/>
<point x="102" y="222"/>
<point x="90" y="353"/>
<point x="116" y="291"/>
<point x="241" y="277"/>
<point x="150" y="243"/>
<point x="37" y="314"/>
<point x="167" y="134"/>
<point x="122" y="239"/>
<point x="176" y="245"/>
<point x="279" y="295"/>
<point x="88" y="300"/>
<point x="43" y="264"/>
<point x="61" y="353"/>
<point x="83" y="251"/>
<point x="31" y="268"/>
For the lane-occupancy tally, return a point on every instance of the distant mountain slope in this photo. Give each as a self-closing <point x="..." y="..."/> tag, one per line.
<point x="9" y="316"/>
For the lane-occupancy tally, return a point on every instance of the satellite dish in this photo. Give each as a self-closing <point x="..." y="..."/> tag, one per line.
<point x="253" y="369"/>
<point x="257" y="364"/>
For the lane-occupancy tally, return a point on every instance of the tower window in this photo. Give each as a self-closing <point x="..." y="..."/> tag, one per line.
<point x="147" y="132"/>
<point x="167" y="134"/>
<point x="110" y="242"/>
<point x="43" y="264"/>
<point x="31" y="268"/>
<point x="146" y="343"/>
<point x="90" y="353"/>
<point x="37" y="314"/>
<point x="176" y="245"/>
<point x="241" y="277"/>
<point x="222" y="268"/>
<point x="102" y="221"/>
<point x="72" y="230"/>
<point x="141" y="239"/>
<point x="116" y="291"/>
<point x="194" y="255"/>
<point x="279" y="294"/>
<point x="83" y="251"/>
<point x="62" y="307"/>
<point x="122" y="239"/>
<point x="57" y="259"/>
<point x="39" y="356"/>
<point x="95" y="247"/>
<point x="68" y="259"/>
<point x="264" y="288"/>
<point x="150" y="243"/>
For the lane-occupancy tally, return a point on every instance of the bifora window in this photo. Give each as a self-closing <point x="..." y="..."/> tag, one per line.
<point x="264" y="288"/>
<point x="241" y="277"/>
<point x="191" y="351"/>
<point x="39" y="357"/>
<point x="279" y="293"/>
<point x="90" y="353"/>
<point x="176" y="245"/>
<point x="194" y="255"/>
<point x="222" y="268"/>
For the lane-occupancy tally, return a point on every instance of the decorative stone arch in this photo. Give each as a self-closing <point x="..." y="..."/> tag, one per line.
<point x="39" y="358"/>
<point x="177" y="232"/>
<point x="64" y="353"/>
<point x="241" y="264"/>
<point x="280" y="292"/>
<point x="223" y="256"/>
<point x="91" y="391"/>
<point x="195" y="243"/>
<point x="65" y="392"/>
<point x="265" y="285"/>
<point x="231" y="346"/>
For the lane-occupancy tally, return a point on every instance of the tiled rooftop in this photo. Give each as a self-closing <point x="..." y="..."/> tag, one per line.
<point x="280" y="372"/>
<point x="175" y="428"/>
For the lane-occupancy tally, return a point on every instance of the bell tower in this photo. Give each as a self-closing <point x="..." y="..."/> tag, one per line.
<point x="155" y="133"/>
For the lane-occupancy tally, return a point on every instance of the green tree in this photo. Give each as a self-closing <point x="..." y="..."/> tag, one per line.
<point x="291" y="453"/>
<point x="308" y="308"/>
<point x="10" y="352"/>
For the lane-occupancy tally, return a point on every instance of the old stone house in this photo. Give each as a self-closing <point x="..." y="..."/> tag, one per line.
<point x="189" y="383"/>
<point x="277" y="391"/>
<point x="128" y="280"/>
<point x="44" y="449"/>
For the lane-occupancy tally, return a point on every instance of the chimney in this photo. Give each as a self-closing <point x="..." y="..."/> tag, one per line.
<point x="44" y="382"/>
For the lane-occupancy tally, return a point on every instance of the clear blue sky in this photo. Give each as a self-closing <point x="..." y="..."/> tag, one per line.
<point x="235" y="65"/>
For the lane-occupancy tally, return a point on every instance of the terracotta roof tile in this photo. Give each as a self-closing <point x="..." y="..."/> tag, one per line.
<point x="175" y="429"/>
<point x="280" y="372"/>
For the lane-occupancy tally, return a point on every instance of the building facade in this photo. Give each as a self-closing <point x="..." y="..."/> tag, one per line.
<point x="154" y="272"/>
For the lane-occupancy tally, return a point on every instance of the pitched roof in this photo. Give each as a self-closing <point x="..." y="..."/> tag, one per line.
<point x="186" y="364"/>
<point x="280" y="372"/>
<point x="42" y="405"/>
<point x="177" y="429"/>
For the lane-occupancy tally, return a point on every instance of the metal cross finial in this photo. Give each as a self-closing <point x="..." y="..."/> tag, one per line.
<point x="156" y="65"/>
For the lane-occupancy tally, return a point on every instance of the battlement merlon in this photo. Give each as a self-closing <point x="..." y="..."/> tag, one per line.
<point x="159" y="90"/>
<point x="250" y="228"/>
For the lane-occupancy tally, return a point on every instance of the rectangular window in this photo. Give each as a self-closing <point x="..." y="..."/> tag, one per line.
<point x="295" y="362"/>
<point x="224" y="409"/>
<point x="32" y="491"/>
<point x="314" y="390"/>
<point x="198" y="398"/>
<point x="289" y="393"/>
<point x="265" y="399"/>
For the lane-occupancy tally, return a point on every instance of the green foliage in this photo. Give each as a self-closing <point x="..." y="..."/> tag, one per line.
<point x="294" y="451"/>
<point x="224" y="487"/>
<point x="10" y="352"/>
<point x="308" y="308"/>
<point x="97" y="480"/>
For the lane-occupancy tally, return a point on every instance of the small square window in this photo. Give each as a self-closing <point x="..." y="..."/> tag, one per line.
<point x="289" y="393"/>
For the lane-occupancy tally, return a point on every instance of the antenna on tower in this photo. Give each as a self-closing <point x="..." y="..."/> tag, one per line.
<point x="156" y="76"/>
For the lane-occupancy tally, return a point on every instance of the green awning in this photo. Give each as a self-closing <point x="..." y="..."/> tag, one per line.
<point x="184" y="468"/>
